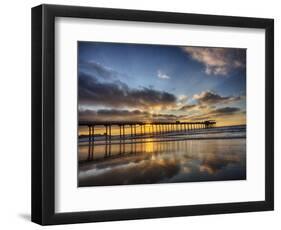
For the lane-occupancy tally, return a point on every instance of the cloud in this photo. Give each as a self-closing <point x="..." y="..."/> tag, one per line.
<point x="218" y="61"/>
<point x="210" y="97"/>
<point x="166" y="117"/>
<point x="225" y="111"/>
<point x="123" y="115"/>
<point x="138" y="115"/>
<point x="112" y="115"/>
<point x="99" y="70"/>
<point x="162" y="75"/>
<point x="188" y="107"/>
<point x="117" y="94"/>
<point x="215" y="113"/>
<point x="182" y="98"/>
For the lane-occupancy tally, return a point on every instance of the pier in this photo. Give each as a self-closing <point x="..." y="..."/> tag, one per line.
<point x="133" y="130"/>
<point x="144" y="128"/>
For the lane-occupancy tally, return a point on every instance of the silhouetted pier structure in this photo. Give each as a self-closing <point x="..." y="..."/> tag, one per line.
<point x="138" y="130"/>
<point x="144" y="128"/>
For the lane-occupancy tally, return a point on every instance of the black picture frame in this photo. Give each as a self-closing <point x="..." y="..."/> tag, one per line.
<point x="43" y="110"/>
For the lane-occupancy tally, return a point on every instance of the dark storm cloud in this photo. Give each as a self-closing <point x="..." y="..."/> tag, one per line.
<point x="210" y="97"/>
<point x="117" y="94"/>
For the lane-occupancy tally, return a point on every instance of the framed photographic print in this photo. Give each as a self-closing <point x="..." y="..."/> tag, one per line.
<point x="141" y="114"/>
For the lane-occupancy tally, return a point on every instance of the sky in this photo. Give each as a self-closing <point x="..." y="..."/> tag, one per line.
<point x="142" y="82"/>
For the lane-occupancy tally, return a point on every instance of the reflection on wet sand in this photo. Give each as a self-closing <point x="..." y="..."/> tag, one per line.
<point x="149" y="162"/>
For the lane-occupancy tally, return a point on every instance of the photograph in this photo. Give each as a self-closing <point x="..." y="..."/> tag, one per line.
<point x="151" y="114"/>
<point x="140" y="114"/>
